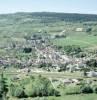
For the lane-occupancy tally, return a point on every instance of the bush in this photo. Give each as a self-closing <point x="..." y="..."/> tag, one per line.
<point x="72" y="49"/>
<point x="92" y="63"/>
<point x="17" y="91"/>
<point x="45" y="65"/>
<point x="27" y="50"/>
<point x="81" y="55"/>
<point x="12" y="89"/>
<point x="86" y="89"/>
<point x="30" y="91"/>
<point x="52" y="92"/>
<point x="69" y="90"/>
<point x="88" y="30"/>
<point x="40" y="87"/>
<point x="95" y="89"/>
<point x="3" y="86"/>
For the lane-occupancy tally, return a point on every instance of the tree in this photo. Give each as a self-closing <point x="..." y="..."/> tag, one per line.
<point x="72" y="49"/>
<point x="17" y="91"/>
<point x="89" y="30"/>
<point x="27" y="50"/>
<point x="91" y="63"/>
<point x="40" y="87"/>
<point x="86" y="89"/>
<point x="3" y="87"/>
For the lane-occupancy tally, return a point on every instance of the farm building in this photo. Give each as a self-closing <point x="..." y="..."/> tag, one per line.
<point x="79" y="29"/>
<point x="91" y="74"/>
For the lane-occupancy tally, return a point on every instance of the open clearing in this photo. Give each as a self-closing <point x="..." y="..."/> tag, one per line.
<point x="67" y="97"/>
<point x="82" y="40"/>
<point x="76" y="97"/>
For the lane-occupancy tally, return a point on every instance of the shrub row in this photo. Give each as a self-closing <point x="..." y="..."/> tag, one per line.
<point x="38" y="87"/>
<point x="86" y="89"/>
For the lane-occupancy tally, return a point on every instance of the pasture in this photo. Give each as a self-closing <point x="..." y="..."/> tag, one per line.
<point x="83" y="41"/>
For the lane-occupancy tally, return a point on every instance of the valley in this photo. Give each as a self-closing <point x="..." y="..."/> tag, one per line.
<point x="48" y="55"/>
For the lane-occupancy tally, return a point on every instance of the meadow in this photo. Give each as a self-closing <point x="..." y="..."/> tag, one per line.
<point x="83" y="41"/>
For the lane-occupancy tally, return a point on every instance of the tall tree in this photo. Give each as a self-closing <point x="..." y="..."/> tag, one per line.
<point x="3" y="87"/>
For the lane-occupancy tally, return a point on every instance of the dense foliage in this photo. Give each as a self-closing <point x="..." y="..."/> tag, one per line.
<point x="72" y="49"/>
<point x="38" y="86"/>
<point x="55" y="16"/>
<point x="91" y="63"/>
<point x="3" y="87"/>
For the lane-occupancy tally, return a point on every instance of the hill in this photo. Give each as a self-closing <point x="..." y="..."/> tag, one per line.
<point x="52" y="15"/>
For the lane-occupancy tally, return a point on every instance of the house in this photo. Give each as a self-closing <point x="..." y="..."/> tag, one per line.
<point x="76" y="81"/>
<point x="91" y="74"/>
<point x="67" y="81"/>
<point x="79" y="29"/>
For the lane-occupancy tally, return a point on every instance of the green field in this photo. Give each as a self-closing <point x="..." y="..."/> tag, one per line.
<point x="76" y="97"/>
<point x="81" y="40"/>
<point x="67" y="97"/>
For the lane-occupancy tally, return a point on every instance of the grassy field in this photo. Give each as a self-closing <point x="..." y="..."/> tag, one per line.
<point x="67" y="97"/>
<point x="81" y="40"/>
<point x="76" y="97"/>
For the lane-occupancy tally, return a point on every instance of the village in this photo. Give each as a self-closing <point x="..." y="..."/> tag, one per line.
<point x="48" y="62"/>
